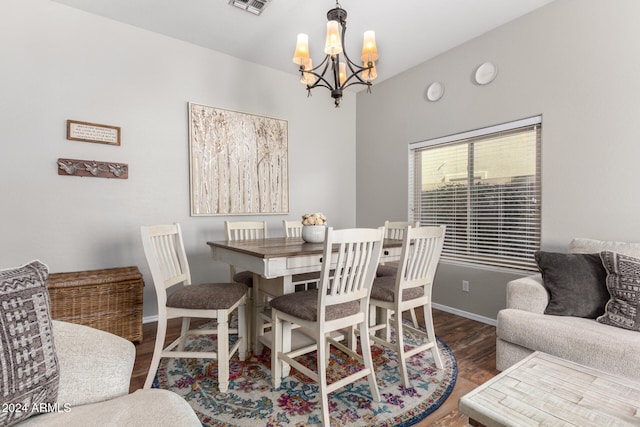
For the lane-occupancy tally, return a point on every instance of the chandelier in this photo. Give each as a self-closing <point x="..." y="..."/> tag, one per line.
<point x="333" y="73"/>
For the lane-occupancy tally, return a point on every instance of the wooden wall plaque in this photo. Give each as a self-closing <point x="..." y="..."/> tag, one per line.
<point x="74" y="167"/>
<point x="93" y="132"/>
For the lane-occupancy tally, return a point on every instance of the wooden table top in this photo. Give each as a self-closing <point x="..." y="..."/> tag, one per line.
<point x="277" y="247"/>
<point x="544" y="390"/>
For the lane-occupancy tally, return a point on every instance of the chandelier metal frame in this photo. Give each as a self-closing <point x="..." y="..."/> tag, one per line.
<point x="329" y="76"/>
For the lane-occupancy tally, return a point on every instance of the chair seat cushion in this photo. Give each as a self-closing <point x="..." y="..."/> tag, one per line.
<point x="211" y="296"/>
<point x="244" y="277"/>
<point x="304" y="305"/>
<point x="386" y="271"/>
<point x="384" y="290"/>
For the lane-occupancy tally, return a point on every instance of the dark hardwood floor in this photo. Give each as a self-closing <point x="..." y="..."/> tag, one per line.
<point x="473" y="344"/>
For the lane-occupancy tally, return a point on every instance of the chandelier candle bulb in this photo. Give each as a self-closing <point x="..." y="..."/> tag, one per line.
<point x="333" y="45"/>
<point x="343" y="72"/>
<point x="369" y="48"/>
<point x="371" y="74"/>
<point x="301" y="55"/>
<point x="307" y="78"/>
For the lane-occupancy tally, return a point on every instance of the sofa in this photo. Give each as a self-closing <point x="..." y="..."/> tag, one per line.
<point x="95" y="371"/>
<point x="523" y="327"/>
<point x="55" y="373"/>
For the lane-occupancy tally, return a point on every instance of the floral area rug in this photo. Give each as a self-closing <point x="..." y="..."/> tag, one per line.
<point x="251" y="400"/>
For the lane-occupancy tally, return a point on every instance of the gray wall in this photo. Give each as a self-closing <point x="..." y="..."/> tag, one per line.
<point x="575" y="62"/>
<point x="59" y="63"/>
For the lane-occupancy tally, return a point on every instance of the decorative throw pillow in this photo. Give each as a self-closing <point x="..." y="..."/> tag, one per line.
<point x="576" y="283"/>
<point x="623" y="282"/>
<point x="29" y="372"/>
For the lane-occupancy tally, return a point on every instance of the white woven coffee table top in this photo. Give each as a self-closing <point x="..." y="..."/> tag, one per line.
<point x="544" y="390"/>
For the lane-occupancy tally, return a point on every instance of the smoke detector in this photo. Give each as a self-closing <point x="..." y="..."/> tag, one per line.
<point x="253" y="6"/>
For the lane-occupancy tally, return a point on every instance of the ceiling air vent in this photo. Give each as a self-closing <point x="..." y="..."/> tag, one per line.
<point x="254" y="6"/>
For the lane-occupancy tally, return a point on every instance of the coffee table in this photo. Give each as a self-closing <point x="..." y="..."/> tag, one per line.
<point x="544" y="390"/>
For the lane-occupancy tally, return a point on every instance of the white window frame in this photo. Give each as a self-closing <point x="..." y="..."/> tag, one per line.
<point x="519" y="263"/>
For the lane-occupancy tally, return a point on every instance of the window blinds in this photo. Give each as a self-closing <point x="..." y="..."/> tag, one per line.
<point x="485" y="187"/>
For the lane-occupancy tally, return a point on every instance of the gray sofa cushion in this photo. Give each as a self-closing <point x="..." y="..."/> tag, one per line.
<point x="576" y="283"/>
<point x="581" y="245"/>
<point x="84" y="354"/>
<point x="143" y="408"/>
<point x="580" y="340"/>
<point x="623" y="283"/>
<point x="29" y="370"/>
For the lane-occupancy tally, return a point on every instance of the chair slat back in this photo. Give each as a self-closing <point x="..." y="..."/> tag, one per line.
<point x="395" y="229"/>
<point x="292" y="228"/>
<point x="245" y="230"/>
<point x="166" y="257"/>
<point x="421" y="250"/>
<point x="355" y="265"/>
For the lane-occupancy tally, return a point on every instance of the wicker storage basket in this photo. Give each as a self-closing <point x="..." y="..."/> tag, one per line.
<point x="109" y="300"/>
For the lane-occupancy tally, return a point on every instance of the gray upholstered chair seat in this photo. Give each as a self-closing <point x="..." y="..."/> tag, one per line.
<point x="386" y="271"/>
<point x="245" y="277"/>
<point x="304" y="305"/>
<point x="384" y="290"/>
<point x="212" y="296"/>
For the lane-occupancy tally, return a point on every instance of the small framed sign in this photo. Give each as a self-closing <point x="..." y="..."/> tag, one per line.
<point x="92" y="132"/>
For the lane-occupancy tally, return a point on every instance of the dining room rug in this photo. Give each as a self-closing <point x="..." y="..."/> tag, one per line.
<point x="251" y="400"/>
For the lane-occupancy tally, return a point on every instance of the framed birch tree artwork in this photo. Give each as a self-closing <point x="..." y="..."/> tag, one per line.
<point x="239" y="163"/>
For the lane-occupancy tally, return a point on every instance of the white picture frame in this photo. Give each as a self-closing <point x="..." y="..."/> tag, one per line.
<point x="239" y="163"/>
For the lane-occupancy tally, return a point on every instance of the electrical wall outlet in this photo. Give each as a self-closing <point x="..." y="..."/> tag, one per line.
<point x="465" y="286"/>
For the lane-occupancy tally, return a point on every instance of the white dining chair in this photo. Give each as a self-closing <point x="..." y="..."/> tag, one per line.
<point x="340" y="303"/>
<point x="167" y="261"/>
<point x="246" y="230"/>
<point x="292" y="228"/>
<point x="394" y="230"/>
<point x="302" y="281"/>
<point x="410" y="288"/>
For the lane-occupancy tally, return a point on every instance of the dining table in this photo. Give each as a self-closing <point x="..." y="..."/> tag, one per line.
<point x="274" y="261"/>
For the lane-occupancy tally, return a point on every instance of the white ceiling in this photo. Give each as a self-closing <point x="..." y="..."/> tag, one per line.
<point x="408" y="32"/>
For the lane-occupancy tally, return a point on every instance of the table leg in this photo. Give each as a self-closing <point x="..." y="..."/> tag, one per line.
<point x="286" y="347"/>
<point x="378" y="316"/>
<point x="271" y="288"/>
<point x="255" y="321"/>
<point x="268" y="288"/>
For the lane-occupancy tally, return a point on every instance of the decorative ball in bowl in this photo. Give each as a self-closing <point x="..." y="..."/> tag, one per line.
<point x="313" y="227"/>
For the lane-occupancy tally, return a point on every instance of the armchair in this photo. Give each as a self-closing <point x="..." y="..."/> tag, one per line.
<point x="56" y="373"/>
<point x="95" y="371"/>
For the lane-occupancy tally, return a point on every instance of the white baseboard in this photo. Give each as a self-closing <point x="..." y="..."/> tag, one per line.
<point x="462" y="313"/>
<point x="441" y="307"/>
<point x="149" y="319"/>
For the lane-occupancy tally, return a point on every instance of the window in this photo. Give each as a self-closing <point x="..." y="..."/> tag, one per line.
<point x="484" y="186"/>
